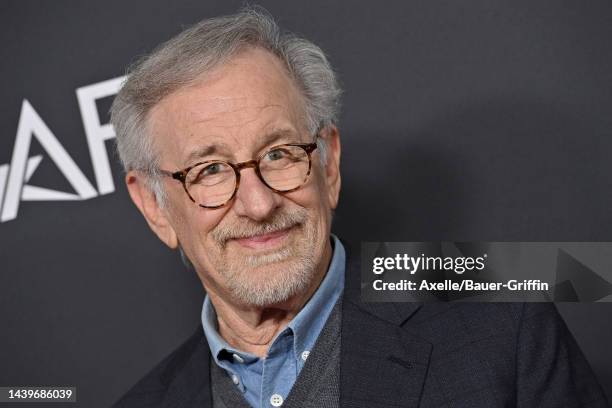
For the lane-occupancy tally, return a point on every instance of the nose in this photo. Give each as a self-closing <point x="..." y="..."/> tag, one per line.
<point x="253" y="198"/>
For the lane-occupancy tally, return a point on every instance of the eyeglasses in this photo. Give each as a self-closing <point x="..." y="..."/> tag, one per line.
<point x="214" y="183"/>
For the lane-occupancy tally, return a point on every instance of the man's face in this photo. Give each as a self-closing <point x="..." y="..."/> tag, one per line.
<point x="262" y="248"/>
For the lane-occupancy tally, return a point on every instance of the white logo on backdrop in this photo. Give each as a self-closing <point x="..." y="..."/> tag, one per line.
<point x="14" y="176"/>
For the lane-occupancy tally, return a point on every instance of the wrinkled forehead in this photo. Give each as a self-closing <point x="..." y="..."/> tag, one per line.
<point x="236" y="104"/>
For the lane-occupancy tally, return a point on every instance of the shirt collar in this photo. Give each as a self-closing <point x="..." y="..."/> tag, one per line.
<point x="305" y="326"/>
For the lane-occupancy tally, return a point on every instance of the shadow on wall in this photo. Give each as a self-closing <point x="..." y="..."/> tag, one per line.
<point x="501" y="171"/>
<point x="397" y="191"/>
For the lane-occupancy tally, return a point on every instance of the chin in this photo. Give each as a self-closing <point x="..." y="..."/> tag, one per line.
<point x="275" y="279"/>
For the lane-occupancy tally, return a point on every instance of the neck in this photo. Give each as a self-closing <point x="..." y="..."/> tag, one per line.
<point x="252" y="329"/>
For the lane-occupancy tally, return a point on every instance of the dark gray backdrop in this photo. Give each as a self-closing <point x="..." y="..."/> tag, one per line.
<point x="482" y="120"/>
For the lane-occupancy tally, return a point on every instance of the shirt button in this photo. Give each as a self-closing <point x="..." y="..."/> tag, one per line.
<point x="305" y="355"/>
<point x="238" y="359"/>
<point x="276" y="400"/>
<point x="235" y="379"/>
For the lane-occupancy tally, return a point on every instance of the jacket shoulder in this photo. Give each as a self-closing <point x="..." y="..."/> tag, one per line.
<point x="522" y="351"/>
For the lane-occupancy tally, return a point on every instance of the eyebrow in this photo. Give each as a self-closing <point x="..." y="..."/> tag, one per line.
<point x="204" y="151"/>
<point x="222" y="148"/>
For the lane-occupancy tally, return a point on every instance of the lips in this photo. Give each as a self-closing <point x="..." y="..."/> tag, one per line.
<point x="264" y="241"/>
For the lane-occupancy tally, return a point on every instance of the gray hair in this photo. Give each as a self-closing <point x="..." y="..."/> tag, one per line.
<point x="200" y="48"/>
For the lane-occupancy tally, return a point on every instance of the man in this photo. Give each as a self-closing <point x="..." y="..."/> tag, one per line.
<point x="228" y="135"/>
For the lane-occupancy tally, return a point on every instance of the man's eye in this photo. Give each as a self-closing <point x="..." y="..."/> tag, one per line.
<point x="212" y="169"/>
<point x="277" y="154"/>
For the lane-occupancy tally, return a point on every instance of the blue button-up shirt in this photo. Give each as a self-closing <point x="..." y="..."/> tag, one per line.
<point x="266" y="382"/>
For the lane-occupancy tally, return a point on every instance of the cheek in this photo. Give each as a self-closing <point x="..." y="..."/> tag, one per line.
<point x="313" y="197"/>
<point x="322" y="193"/>
<point x="194" y="224"/>
<point x="205" y="221"/>
<point x="310" y="196"/>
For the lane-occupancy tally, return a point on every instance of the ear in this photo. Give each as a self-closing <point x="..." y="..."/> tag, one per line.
<point x="146" y="202"/>
<point x="332" y="169"/>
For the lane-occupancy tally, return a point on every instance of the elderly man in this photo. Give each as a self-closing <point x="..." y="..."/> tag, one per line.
<point x="228" y="135"/>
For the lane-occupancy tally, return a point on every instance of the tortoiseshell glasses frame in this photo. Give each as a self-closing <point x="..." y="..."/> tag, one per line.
<point x="185" y="174"/>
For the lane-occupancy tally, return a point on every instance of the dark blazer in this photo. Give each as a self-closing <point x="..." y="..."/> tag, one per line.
<point x="419" y="355"/>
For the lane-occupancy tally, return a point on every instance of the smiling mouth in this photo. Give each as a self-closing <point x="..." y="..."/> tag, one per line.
<point x="264" y="241"/>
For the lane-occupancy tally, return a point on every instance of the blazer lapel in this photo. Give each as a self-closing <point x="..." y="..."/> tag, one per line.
<point x="382" y="363"/>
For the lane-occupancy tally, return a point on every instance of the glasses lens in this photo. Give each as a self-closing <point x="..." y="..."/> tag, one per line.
<point x="211" y="184"/>
<point x="285" y="167"/>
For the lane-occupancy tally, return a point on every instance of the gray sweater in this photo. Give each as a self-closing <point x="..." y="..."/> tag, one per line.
<point x="317" y="386"/>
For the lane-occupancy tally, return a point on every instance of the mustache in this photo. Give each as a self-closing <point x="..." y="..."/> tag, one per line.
<point x="237" y="229"/>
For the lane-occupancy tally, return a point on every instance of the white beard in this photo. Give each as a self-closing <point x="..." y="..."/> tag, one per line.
<point x="273" y="277"/>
